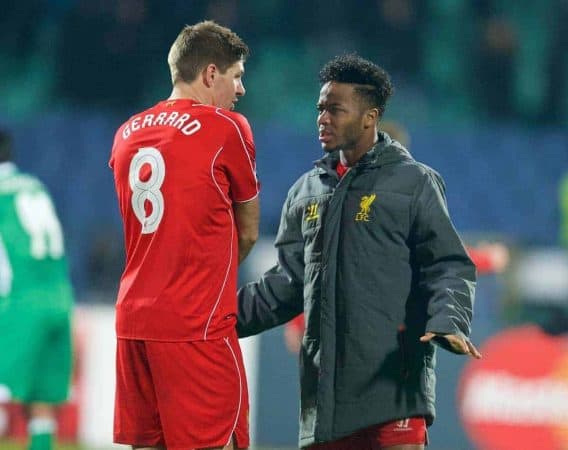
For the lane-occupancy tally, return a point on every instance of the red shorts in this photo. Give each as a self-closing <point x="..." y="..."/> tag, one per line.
<point x="399" y="432"/>
<point x="180" y="395"/>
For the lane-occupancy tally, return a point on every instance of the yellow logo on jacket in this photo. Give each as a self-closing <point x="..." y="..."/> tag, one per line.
<point x="365" y="205"/>
<point x="312" y="212"/>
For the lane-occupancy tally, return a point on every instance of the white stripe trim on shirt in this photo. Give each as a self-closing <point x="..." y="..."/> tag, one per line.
<point x="230" y="212"/>
<point x="252" y="166"/>
<point x="228" y="201"/>
<point x="248" y="200"/>
<point x="240" y="389"/>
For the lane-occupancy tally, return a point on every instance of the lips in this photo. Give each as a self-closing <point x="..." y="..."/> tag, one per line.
<point x="325" y="136"/>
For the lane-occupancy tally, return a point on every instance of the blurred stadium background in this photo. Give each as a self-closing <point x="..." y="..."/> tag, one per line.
<point x="482" y="87"/>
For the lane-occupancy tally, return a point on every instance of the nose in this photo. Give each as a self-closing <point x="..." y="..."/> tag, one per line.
<point x="323" y="118"/>
<point x="241" y="89"/>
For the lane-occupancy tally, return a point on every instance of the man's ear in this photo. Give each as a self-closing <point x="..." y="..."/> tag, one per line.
<point x="371" y="118"/>
<point x="209" y="74"/>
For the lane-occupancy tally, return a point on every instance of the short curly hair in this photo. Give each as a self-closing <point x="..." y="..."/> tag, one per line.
<point x="373" y="83"/>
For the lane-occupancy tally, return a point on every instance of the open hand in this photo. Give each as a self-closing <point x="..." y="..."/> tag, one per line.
<point x="458" y="343"/>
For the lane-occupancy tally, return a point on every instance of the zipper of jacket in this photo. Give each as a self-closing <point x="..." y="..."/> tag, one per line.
<point x="341" y="181"/>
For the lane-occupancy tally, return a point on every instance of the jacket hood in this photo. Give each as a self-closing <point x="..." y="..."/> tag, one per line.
<point x="385" y="151"/>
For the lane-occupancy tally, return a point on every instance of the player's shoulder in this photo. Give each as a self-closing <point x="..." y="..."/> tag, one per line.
<point x="416" y="170"/>
<point x="227" y="114"/>
<point x="304" y="186"/>
<point x="21" y="182"/>
<point x="425" y="172"/>
<point x="29" y="181"/>
<point x="125" y="128"/>
<point x="422" y="177"/>
<point x="232" y="119"/>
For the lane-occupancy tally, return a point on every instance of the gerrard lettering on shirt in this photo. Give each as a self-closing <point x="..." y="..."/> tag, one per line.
<point x="171" y="118"/>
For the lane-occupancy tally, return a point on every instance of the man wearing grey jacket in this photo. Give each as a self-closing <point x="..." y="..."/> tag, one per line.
<point x="367" y="250"/>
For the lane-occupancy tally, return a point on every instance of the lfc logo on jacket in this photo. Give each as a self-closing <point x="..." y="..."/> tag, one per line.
<point x="365" y="205"/>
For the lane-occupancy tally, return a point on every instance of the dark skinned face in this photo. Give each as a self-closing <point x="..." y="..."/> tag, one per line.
<point x="341" y="117"/>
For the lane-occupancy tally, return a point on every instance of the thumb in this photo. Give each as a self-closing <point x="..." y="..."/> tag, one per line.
<point x="427" y="337"/>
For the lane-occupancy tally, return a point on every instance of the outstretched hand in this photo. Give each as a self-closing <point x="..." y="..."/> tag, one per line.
<point x="457" y="343"/>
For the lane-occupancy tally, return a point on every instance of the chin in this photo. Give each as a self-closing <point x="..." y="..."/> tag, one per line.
<point x="328" y="148"/>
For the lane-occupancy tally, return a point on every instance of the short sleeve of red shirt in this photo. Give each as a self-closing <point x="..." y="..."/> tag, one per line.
<point x="239" y="158"/>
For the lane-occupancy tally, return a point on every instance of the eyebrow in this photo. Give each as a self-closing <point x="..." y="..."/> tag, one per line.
<point x="329" y="104"/>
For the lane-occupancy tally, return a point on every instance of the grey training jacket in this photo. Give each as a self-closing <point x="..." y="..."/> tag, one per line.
<point x="374" y="261"/>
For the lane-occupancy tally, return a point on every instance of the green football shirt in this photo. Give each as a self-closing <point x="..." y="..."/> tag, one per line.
<point x="33" y="266"/>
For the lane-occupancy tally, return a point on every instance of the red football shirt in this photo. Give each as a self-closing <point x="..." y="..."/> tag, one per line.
<point x="178" y="168"/>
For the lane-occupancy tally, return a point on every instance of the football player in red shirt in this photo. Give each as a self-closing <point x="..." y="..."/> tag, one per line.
<point x="187" y="190"/>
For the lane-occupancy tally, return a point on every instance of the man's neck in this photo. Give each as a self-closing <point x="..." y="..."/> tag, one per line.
<point x="190" y="91"/>
<point x="350" y="157"/>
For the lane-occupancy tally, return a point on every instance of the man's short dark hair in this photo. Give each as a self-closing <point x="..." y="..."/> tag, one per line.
<point x="5" y="146"/>
<point x="201" y="44"/>
<point x="373" y="82"/>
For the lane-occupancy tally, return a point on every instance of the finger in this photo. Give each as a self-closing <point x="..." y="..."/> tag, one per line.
<point x="464" y="348"/>
<point x="467" y="348"/>
<point x="458" y="344"/>
<point x="427" y="337"/>
<point x="473" y="351"/>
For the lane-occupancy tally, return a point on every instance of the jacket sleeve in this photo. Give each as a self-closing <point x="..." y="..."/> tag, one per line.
<point x="278" y="296"/>
<point x="446" y="274"/>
